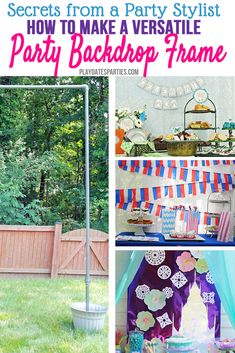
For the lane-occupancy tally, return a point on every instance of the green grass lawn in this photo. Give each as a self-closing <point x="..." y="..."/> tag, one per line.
<point x="35" y="316"/>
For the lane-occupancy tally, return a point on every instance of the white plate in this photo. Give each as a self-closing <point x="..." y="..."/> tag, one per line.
<point x="198" y="238"/>
<point x="137" y="135"/>
<point x="126" y="124"/>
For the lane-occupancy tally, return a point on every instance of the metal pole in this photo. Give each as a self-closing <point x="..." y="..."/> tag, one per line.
<point x="85" y="88"/>
<point x="87" y="278"/>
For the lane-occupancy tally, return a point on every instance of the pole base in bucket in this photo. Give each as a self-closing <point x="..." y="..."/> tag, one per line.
<point x="92" y="320"/>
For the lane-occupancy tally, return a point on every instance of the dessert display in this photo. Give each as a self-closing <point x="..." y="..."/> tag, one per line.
<point x="159" y="143"/>
<point x="140" y="216"/>
<point x="218" y="136"/>
<point x="183" y="235"/>
<point x="201" y="98"/>
<point x="182" y="144"/>
<point x="135" y="216"/>
<point x="181" y="136"/>
<point x="199" y="125"/>
<point x="146" y="216"/>
<point x="201" y="107"/>
<point x="179" y="344"/>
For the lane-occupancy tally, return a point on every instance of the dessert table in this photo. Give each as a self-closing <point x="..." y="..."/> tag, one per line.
<point x="209" y="241"/>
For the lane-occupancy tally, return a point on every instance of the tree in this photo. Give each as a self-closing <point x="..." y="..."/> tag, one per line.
<point x="48" y="128"/>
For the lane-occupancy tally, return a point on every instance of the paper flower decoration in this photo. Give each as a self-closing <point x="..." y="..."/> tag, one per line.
<point x="138" y="123"/>
<point x="142" y="116"/>
<point x="154" y="346"/>
<point x="186" y="262"/>
<point x="145" y="320"/>
<point x="155" y="300"/>
<point x="201" y="266"/>
<point x="141" y="291"/>
<point x="122" y="112"/>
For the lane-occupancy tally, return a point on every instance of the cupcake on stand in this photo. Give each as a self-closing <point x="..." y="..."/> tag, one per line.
<point x="141" y="219"/>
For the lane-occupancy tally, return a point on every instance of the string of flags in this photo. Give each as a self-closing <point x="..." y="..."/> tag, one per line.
<point x="170" y="170"/>
<point x="195" y="182"/>
<point x="170" y="91"/>
<point x="204" y="218"/>
<point x="166" y="93"/>
<point x="175" y="163"/>
<point x="171" y="191"/>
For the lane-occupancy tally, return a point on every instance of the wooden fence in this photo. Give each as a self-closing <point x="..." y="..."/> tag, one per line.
<point x="44" y="250"/>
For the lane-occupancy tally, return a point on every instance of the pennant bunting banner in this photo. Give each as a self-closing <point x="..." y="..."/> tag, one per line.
<point x="204" y="218"/>
<point x="169" y="170"/>
<point x="172" y="191"/>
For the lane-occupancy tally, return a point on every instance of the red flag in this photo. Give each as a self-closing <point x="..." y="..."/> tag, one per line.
<point x="194" y="189"/>
<point x="158" y="210"/>
<point x="216" y="182"/>
<point x="181" y="174"/>
<point x="146" y="194"/>
<point x="157" y="171"/>
<point x="170" y="172"/>
<point x="194" y="174"/>
<point x="170" y="191"/>
<point x="134" y="204"/>
<point x="122" y="198"/>
<point x="158" y="191"/>
<point x="226" y="182"/>
<point x="182" y="191"/>
<point x="133" y="194"/>
<point x="205" y="218"/>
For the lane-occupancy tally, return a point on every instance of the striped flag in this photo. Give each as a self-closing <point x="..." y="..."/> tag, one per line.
<point x="225" y="227"/>
<point x="192" y="221"/>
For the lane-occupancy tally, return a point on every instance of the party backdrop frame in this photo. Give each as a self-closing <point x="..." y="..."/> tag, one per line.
<point x="85" y="89"/>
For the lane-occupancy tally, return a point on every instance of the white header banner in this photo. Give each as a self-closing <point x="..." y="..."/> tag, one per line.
<point x="145" y="38"/>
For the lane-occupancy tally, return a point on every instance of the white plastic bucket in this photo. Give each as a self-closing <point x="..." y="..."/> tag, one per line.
<point x="92" y="320"/>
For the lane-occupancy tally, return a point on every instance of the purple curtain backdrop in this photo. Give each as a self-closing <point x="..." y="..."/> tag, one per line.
<point x="147" y="274"/>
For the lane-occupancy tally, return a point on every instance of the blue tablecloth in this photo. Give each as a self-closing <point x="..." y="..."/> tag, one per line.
<point x="162" y="242"/>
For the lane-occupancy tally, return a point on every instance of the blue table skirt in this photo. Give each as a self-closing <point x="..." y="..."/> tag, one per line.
<point x="162" y="242"/>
